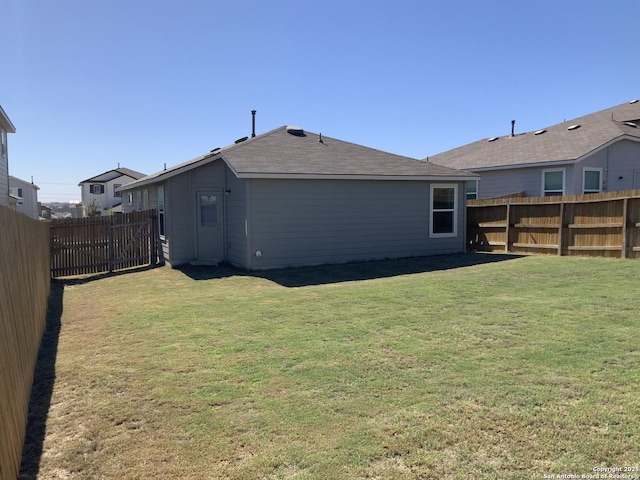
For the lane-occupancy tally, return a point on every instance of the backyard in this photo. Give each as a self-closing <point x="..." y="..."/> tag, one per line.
<point x="468" y="366"/>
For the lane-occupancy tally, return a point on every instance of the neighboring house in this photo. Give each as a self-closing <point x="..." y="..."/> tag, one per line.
<point x="599" y="152"/>
<point x="25" y="195"/>
<point x="104" y="188"/>
<point x="45" y="212"/>
<point x="290" y="198"/>
<point x="5" y="127"/>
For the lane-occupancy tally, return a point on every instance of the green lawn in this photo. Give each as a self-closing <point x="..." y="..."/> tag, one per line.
<point x="469" y="366"/>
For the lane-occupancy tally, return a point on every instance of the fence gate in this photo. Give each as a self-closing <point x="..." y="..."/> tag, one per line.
<point x="81" y="246"/>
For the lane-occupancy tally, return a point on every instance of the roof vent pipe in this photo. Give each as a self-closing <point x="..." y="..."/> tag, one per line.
<point x="253" y="123"/>
<point x="513" y="128"/>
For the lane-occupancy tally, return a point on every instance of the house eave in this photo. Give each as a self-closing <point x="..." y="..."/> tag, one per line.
<point x="170" y="173"/>
<point x="5" y="122"/>
<point x="311" y="176"/>
<point x="522" y="165"/>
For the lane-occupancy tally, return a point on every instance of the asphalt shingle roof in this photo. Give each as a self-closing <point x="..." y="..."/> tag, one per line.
<point x="280" y="154"/>
<point x="555" y="144"/>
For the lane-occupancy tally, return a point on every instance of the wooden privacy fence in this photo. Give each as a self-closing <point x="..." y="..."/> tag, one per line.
<point x="604" y="225"/>
<point x="81" y="246"/>
<point x="24" y="291"/>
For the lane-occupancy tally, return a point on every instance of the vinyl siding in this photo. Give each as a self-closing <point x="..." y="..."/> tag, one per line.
<point x="502" y="182"/>
<point x="235" y="219"/>
<point x="180" y="195"/>
<point x="180" y="221"/>
<point x="4" y="178"/>
<point x="529" y="180"/>
<point x="621" y="160"/>
<point x="305" y="222"/>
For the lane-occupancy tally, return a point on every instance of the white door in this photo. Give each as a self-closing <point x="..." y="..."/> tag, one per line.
<point x="209" y="237"/>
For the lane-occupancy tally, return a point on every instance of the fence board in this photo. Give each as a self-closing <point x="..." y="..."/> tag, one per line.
<point x="103" y="244"/>
<point x="24" y="290"/>
<point x="605" y="224"/>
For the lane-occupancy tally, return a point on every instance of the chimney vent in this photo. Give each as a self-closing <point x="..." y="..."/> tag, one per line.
<point x="253" y="123"/>
<point x="513" y="128"/>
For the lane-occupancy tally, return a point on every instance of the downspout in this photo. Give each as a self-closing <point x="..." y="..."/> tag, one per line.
<point x="605" y="180"/>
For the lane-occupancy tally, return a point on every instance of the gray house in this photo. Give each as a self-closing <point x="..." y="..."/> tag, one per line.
<point x="599" y="152"/>
<point x="290" y="197"/>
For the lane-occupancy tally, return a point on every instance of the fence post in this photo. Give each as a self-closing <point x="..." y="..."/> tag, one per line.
<point x="560" y="229"/>
<point x="110" y="256"/>
<point x="506" y="228"/>
<point x="625" y="207"/>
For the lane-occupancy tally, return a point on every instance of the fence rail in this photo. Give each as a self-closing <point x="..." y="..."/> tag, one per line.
<point x="24" y="291"/>
<point x="604" y="225"/>
<point x="81" y="246"/>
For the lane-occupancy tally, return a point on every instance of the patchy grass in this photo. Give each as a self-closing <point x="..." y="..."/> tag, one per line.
<point x="452" y="367"/>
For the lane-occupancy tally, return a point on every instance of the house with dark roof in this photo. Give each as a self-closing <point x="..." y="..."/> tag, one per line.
<point x="290" y="197"/>
<point x="104" y="188"/>
<point x="599" y="152"/>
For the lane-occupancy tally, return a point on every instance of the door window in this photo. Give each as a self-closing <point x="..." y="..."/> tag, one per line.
<point x="208" y="210"/>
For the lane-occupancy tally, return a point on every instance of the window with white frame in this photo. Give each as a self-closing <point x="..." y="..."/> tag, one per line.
<point x="96" y="188"/>
<point x="592" y="180"/>
<point x="444" y="210"/>
<point x="553" y="182"/>
<point x="472" y="189"/>
<point x="161" y="210"/>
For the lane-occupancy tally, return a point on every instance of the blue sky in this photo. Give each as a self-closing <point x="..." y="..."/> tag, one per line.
<point x="90" y="84"/>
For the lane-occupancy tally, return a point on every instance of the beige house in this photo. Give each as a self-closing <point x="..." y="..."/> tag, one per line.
<point x="5" y="127"/>
<point x="25" y="196"/>
<point x="104" y="189"/>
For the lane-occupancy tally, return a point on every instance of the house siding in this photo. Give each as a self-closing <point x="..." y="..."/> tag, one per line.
<point x="181" y="220"/>
<point x="502" y="182"/>
<point x="29" y="203"/>
<point x="306" y="222"/>
<point x="4" y="174"/>
<point x="622" y="160"/>
<point x="179" y="244"/>
<point x="236" y="218"/>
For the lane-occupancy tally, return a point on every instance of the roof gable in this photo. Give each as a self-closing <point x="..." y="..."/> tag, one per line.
<point x="113" y="174"/>
<point x="564" y="142"/>
<point x="280" y="154"/>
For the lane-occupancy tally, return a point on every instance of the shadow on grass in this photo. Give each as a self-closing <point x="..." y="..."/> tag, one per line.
<point x="42" y="389"/>
<point x="347" y="272"/>
<point x="82" y="279"/>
